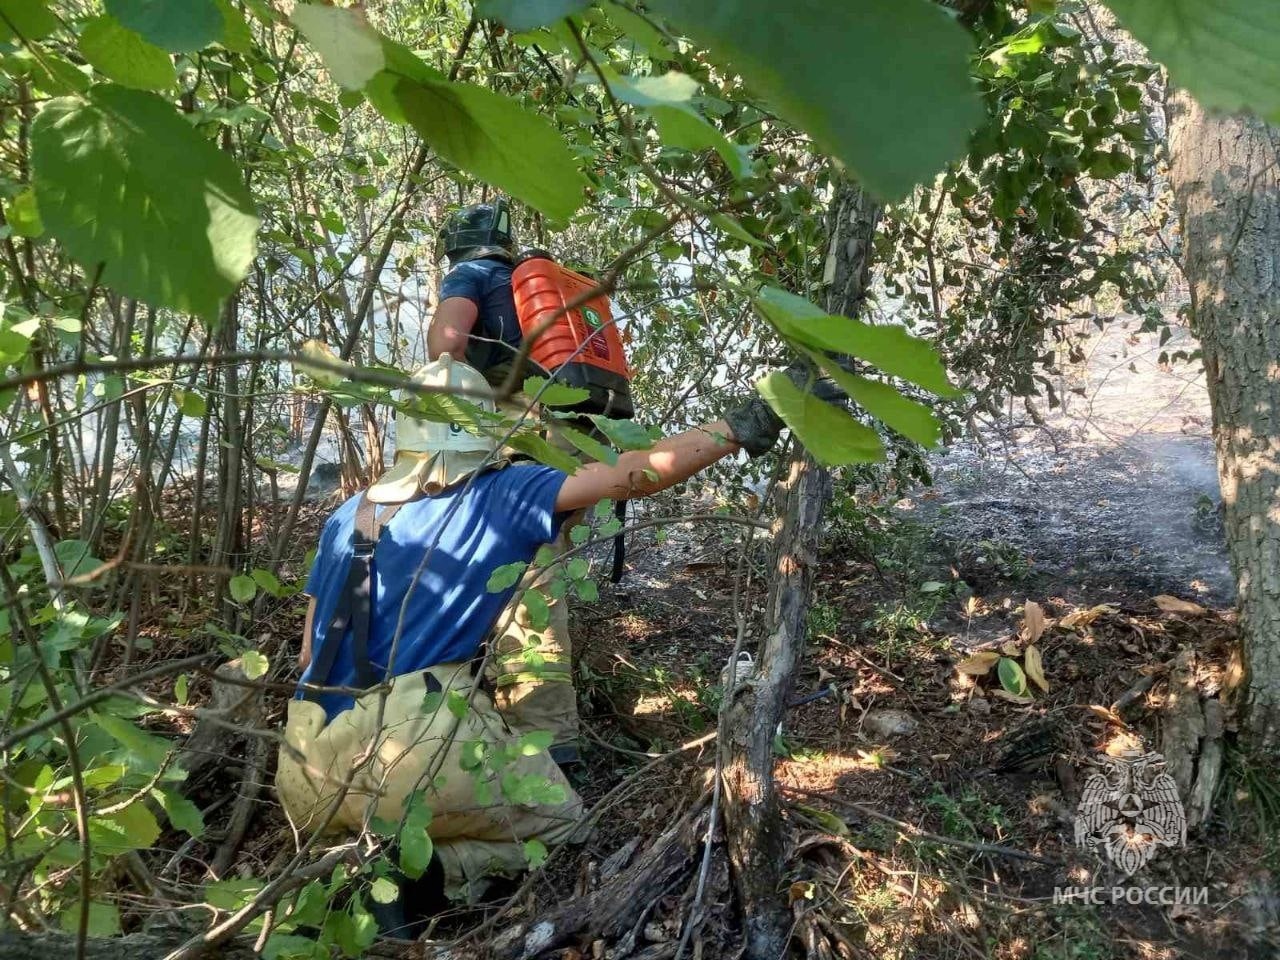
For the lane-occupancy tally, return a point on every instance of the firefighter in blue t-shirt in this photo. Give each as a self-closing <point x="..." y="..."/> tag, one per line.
<point x="475" y="320"/>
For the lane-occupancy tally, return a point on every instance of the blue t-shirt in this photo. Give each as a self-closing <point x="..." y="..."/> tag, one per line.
<point x="487" y="284"/>
<point x="502" y="517"/>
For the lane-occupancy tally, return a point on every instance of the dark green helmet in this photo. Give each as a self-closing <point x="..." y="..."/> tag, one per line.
<point x="480" y="230"/>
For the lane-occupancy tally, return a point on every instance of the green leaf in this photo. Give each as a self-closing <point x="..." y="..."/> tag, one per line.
<point x="182" y="813"/>
<point x="122" y="55"/>
<point x="506" y="576"/>
<point x="1011" y="676"/>
<point x="588" y="445"/>
<point x="181" y="688"/>
<point x="350" y="48"/>
<point x="813" y="60"/>
<point x="533" y="445"/>
<point x="242" y="588"/>
<point x="639" y="31"/>
<point x="535" y="742"/>
<point x="535" y="852"/>
<point x="255" y="664"/>
<point x="123" y="180"/>
<point x="289" y="946"/>
<point x="686" y="130"/>
<point x="232" y="894"/>
<point x="829" y="433"/>
<point x="236" y="35"/>
<point x="323" y="355"/>
<point x="497" y="140"/>
<point x="55" y="74"/>
<point x="356" y="930"/>
<point x="133" y="828"/>
<point x="415" y="843"/>
<point x="554" y="394"/>
<point x="456" y="704"/>
<point x="178" y="25"/>
<point x="522" y="15"/>
<point x="190" y="403"/>
<point x="666" y="99"/>
<point x="145" y="752"/>
<point x="104" y="919"/>
<point x="30" y="19"/>
<point x="910" y="418"/>
<point x="889" y="347"/>
<point x="624" y="434"/>
<point x="268" y="581"/>
<point x="1225" y="52"/>
<point x="24" y="215"/>
<point x="735" y="229"/>
<point x="536" y="607"/>
<point x="383" y="890"/>
<point x="577" y="568"/>
<point x="75" y="558"/>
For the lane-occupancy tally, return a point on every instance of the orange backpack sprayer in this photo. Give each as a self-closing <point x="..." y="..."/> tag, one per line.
<point x="581" y="347"/>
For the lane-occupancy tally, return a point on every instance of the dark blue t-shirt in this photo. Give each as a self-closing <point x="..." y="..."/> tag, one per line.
<point x="487" y="284"/>
<point x="502" y="517"/>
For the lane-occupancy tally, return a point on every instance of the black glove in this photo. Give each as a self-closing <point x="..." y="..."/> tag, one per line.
<point x="754" y="424"/>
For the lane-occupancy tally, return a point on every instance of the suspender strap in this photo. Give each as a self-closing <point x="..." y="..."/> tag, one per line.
<point x="359" y="588"/>
<point x="354" y="609"/>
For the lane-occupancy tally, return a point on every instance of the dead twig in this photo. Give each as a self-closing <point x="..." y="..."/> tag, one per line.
<point x="990" y="849"/>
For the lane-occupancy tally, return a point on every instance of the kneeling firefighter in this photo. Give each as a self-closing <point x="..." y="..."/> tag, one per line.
<point x="489" y="301"/>
<point x="398" y="592"/>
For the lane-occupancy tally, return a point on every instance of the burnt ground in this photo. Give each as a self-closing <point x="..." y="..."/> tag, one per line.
<point x="1114" y="493"/>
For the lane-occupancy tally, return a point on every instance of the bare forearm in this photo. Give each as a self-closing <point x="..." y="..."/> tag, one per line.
<point x="671" y="460"/>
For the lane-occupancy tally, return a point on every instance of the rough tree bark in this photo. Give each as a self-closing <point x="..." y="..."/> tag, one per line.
<point x="1227" y="185"/>
<point x="754" y="831"/>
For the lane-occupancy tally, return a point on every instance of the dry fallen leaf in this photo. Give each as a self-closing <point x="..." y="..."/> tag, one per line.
<point x="1082" y="618"/>
<point x="800" y="890"/>
<point x="1106" y="713"/>
<point x="1010" y="648"/>
<point x="1177" y="605"/>
<point x="979" y="664"/>
<point x="1034" y="667"/>
<point x="1033" y="623"/>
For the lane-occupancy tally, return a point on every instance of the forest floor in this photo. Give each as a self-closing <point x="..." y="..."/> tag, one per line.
<point x="1092" y="513"/>
<point x="900" y="778"/>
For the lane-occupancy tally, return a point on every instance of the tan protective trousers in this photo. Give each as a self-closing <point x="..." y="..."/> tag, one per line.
<point x="532" y="669"/>
<point x="478" y="831"/>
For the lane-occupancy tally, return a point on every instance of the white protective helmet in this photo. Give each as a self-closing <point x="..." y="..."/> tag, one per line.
<point x="431" y="455"/>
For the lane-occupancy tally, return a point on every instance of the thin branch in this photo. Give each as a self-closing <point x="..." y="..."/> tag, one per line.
<point x="992" y="849"/>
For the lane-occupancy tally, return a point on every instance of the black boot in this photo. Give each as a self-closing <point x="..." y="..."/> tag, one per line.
<point x="406" y="917"/>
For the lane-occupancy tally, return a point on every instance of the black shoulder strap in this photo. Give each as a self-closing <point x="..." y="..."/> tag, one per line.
<point x="355" y="604"/>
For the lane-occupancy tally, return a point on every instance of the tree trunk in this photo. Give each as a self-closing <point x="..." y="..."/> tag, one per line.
<point x="753" y="819"/>
<point x="1227" y="186"/>
<point x="15" y="945"/>
<point x="755" y="837"/>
